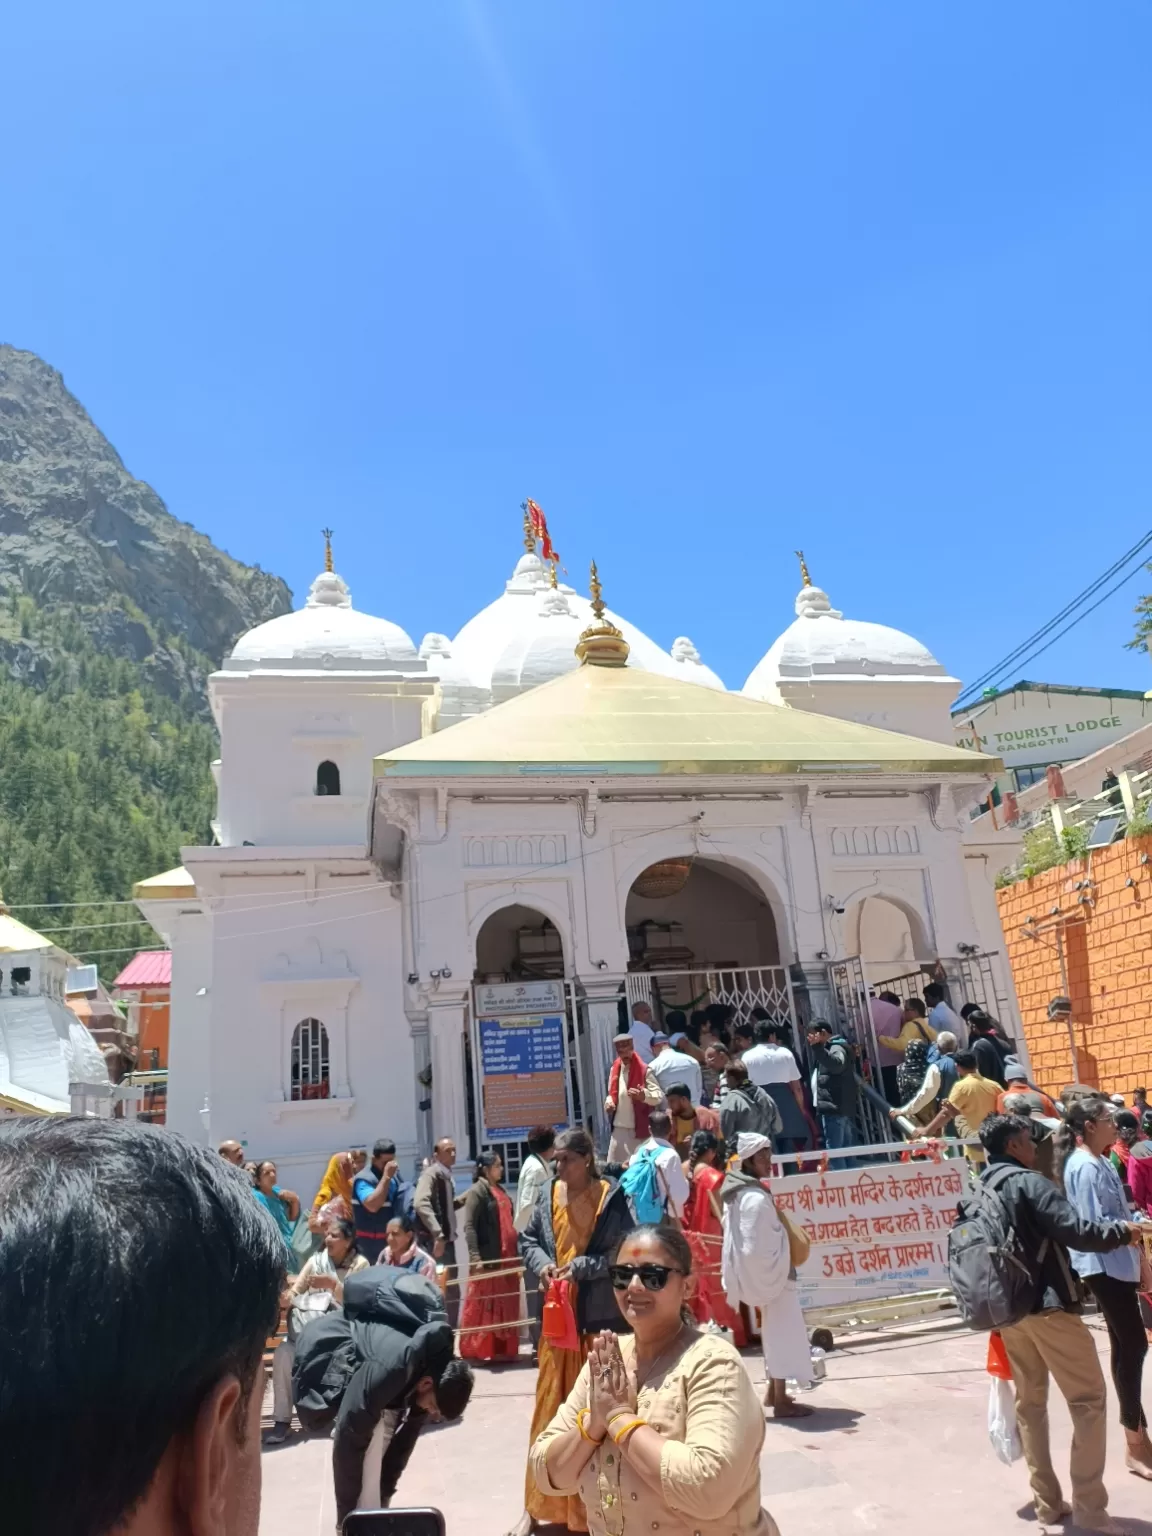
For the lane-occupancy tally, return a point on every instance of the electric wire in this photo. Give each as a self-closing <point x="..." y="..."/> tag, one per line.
<point x="1024" y="652"/>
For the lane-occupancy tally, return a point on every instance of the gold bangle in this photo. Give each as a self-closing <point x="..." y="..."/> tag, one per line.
<point x="621" y="1435"/>
<point x="591" y="1439"/>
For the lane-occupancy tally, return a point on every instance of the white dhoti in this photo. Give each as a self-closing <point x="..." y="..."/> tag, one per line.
<point x="785" y="1338"/>
<point x="622" y="1144"/>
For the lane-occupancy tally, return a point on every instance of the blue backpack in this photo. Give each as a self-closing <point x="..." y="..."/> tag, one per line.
<point x="642" y="1184"/>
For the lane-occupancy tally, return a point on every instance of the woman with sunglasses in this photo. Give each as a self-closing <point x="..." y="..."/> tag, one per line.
<point x="663" y="1430"/>
<point x="575" y="1228"/>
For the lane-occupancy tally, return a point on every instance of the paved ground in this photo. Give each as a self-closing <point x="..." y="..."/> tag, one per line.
<point x="900" y="1446"/>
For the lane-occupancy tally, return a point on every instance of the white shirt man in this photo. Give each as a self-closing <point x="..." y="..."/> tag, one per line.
<point x="771" y="1063"/>
<point x="670" y="1066"/>
<point x="670" y="1173"/>
<point x="642" y="1031"/>
<point x="535" y="1175"/>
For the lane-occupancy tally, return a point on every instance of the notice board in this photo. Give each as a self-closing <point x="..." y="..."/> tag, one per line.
<point x="523" y="1074"/>
<point x="879" y="1231"/>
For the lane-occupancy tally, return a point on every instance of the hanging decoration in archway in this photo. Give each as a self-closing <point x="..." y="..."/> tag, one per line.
<point x="667" y="878"/>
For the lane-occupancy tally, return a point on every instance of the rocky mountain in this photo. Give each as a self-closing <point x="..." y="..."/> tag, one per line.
<point x="112" y="614"/>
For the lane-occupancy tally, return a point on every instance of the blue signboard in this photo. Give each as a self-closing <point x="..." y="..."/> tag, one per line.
<point x="523" y="1066"/>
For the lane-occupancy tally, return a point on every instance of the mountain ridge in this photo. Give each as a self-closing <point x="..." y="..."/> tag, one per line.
<point x="112" y="614"/>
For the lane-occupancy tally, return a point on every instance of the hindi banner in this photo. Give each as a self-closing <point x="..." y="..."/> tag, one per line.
<point x="879" y="1231"/>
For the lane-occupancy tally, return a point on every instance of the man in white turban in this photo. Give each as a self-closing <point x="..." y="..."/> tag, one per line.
<point x="757" y="1270"/>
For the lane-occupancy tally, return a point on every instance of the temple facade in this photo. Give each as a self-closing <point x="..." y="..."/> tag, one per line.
<point x="443" y="872"/>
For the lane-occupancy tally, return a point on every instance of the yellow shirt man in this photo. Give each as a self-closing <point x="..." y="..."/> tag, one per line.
<point x="973" y="1099"/>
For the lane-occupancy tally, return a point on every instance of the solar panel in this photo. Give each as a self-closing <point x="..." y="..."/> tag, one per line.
<point x="1105" y="831"/>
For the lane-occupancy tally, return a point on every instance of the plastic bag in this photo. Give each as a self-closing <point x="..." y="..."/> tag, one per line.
<point x="558" y="1318"/>
<point x="1002" y="1431"/>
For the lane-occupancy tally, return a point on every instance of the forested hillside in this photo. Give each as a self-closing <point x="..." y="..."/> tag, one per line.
<point x="112" y="614"/>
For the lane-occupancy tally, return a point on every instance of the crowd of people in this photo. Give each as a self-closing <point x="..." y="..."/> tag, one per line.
<point x="635" y="1277"/>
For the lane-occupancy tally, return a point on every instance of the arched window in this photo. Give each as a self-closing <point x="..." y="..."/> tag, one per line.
<point x="327" y="779"/>
<point x="310" y="1060"/>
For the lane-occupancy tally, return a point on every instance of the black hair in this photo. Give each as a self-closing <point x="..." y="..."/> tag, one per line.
<point x="743" y="1029"/>
<point x="1077" y="1115"/>
<point x="1125" y="1120"/>
<point x="402" y="1220"/>
<point x="577" y="1140"/>
<point x="138" y="1271"/>
<point x="659" y="1122"/>
<point x="671" y="1239"/>
<point x="818" y="1024"/>
<point x="344" y="1228"/>
<point x="384" y="1148"/>
<point x="765" y="1031"/>
<point x="485" y="1160"/>
<point x="980" y="1021"/>
<point x="933" y="992"/>
<point x="998" y="1130"/>
<point x="916" y="1004"/>
<point x="969" y="1009"/>
<point x="890" y="997"/>
<point x="1144" y="1091"/>
<point x="702" y="1141"/>
<point x="720" y="1015"/>
<point x="541" y="1139"/>
<point x="675" y="1018"/>
<point x="680" y="1089"/>
<point x="965" y="1059"/>
<point x="454" y="1388"/>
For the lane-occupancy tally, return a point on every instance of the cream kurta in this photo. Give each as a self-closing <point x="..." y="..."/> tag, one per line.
<point x="705" y="1405"/>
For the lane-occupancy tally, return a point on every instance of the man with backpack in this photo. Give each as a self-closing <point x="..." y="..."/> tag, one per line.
<point x="386" y="1356"/>
<point x="654" y="1181"/>
<point x="1009" y="1268"/>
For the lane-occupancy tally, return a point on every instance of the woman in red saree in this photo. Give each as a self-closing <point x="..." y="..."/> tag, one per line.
<point x="488" y="1319"/>
<point x="703" y="1230"/>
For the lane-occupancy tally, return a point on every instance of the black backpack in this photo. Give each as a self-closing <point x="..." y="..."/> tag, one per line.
<point x="992" y="1280"/>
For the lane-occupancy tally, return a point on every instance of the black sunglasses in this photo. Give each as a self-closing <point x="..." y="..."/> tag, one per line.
<point x="653" y="1277"/>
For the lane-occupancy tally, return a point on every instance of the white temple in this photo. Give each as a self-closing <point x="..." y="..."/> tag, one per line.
<point x="547" y="815"/>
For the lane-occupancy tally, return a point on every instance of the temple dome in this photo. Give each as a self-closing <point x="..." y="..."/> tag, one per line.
<point x="526" y="637"/>
<point x="822" y="643"/>
<point x="326" y="633"/>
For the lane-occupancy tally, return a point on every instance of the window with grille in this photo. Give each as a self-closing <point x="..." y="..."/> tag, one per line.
<point x="310" y="1060"/>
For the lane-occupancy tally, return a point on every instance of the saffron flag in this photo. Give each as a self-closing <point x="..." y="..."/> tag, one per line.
<point x="539" y="526"/>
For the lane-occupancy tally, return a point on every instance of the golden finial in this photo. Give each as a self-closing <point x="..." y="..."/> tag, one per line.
<point x="601" y="644"/>
<point x="529" y="535"/>
<point x="597" y="600"/>
<point x="804" y="576"/>
<point x="327" y="532"/>
<point x="552" y="582"/>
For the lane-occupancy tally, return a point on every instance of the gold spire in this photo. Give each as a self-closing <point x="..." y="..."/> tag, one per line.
<point x="327" y="532"/>
<point x="601" y="644"/>
<point x="552" y="582"/>
<point x="529" y="536"/>
<point x="804" y="576"/>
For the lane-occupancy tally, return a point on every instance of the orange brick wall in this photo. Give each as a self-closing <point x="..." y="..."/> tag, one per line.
<point x="1108" y="958"/>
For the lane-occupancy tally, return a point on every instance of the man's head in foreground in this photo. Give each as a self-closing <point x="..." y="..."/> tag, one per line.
<point x="141" y="1281"/>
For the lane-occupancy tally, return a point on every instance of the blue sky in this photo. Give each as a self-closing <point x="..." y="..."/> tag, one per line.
<point x="708" y="280"/>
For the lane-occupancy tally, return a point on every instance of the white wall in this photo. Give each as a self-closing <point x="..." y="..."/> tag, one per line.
<point x="276" y="730"/>
<point x="913" y="706"/>
<point x="300" y="940"/>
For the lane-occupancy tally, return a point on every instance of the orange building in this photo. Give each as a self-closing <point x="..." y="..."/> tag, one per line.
<point x="1084" y="931"/>
<point x="145" y="984"/>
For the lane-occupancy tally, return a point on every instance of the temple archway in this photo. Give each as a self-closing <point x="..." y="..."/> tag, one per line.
<point x="696" y="914"/>
<point x="519" y="943"/>
<point x="891" y="940"/>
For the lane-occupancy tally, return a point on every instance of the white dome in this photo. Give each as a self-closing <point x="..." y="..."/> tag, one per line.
<point x="526" y="634"/>
<point x="691" y="668"/>
<point x="327" y="632"/>
<point x="822" y="643"/>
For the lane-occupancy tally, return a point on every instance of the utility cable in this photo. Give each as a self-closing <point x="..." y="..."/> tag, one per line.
<point x="1017" y="657"/>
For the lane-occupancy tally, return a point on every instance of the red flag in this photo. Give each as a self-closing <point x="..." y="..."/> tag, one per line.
<point x="540" y="529"/>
